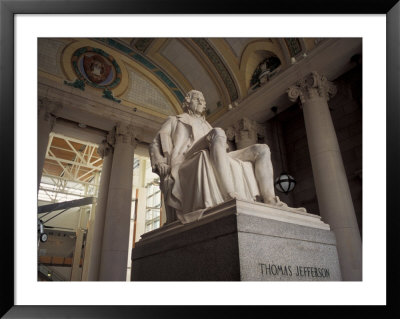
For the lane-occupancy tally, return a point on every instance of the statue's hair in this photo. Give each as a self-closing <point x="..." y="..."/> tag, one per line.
<point x="186" y="101"/>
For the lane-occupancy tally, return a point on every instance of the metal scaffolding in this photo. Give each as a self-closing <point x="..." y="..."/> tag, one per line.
<point x="71" y="170"/>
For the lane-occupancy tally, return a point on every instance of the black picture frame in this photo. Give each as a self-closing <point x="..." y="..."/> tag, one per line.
<point x="8" y="10"/>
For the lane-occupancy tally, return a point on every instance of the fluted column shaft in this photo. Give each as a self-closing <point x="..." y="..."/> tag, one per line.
<point x="334" y="198"/>
<point x="115" y="243"/>
<point x="96" y="232"/>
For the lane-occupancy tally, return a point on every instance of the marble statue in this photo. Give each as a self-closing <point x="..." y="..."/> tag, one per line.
<point x="197" y="171"/>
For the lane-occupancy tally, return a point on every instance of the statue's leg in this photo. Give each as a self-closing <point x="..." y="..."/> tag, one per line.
<point x="260" y="155"/>
<point x="220" y="161"/>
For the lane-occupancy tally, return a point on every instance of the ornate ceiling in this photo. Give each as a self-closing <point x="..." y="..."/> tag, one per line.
<point x="156" y="73"/>
<point x="144" y="80"/>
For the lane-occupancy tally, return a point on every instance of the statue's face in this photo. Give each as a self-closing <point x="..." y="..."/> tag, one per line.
<point x="198" y="103"/>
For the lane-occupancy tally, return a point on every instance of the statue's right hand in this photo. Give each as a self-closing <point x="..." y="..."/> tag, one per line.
<point x="164" y="169"/>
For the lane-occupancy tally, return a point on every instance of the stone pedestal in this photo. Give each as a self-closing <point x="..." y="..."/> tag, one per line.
<point x="239" y="241"/>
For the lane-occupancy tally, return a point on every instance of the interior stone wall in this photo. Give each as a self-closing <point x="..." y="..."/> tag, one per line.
<point x="346" y="110"/>
<point x="294" y="140"/>
<point x="276" y="142"/>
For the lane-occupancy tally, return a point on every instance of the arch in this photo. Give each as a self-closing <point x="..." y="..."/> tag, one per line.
<point x="122" y="61"/>
<point x="254" y="53"/>
<point x="69" y="72"/>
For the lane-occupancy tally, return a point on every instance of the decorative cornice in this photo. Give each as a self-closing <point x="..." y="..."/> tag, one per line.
<point x="312" y="86"/>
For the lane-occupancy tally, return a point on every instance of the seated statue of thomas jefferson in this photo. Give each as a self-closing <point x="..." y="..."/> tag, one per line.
<point x="197" y="171"/>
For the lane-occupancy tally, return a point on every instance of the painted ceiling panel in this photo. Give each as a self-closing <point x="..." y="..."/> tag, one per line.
<point x="143" y="92"/>
<point x="238" y="44"/>
<point x="126" y="40"/>
<point x="49" y="55"/>
<point x="192" y="69"/>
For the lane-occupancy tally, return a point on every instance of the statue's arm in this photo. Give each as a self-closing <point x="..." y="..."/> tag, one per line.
<point x="156" y="154"/>
<point x="161" y="147"/>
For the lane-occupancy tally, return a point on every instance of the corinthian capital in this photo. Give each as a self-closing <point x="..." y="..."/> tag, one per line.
<point x="244" y="132"/>
<point x="312" y="86"/>
<point x="104" y="149"/>
<point x="123" y="133"/>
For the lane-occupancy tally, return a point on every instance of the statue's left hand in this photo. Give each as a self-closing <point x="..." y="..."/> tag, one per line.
<point x="164" y="170"/>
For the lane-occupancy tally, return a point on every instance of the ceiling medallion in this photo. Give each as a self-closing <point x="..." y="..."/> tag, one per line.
<point x="96" y="68"/>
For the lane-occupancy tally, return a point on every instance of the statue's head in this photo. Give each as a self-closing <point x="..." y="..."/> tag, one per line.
<point x="194" y="103"/>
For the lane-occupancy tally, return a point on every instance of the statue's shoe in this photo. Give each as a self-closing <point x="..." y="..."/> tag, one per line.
<point x="279" y="203"/>
<point x="300" y="209"/>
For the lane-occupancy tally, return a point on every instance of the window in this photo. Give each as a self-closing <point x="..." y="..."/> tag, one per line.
<point x="153" y="205"/>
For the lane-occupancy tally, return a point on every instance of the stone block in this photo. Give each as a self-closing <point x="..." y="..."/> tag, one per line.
<point x="239" y="241"/>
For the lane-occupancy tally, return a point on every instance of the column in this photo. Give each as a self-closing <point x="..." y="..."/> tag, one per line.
<point x="90" y="229"/>
<point x="245" y="133"/>
<point x="46" y="120"/>
<point x="95" y="230"/>
<point x="75" y="272"/>
<point x="334" y="198"/>
<point x="114" y="252"/>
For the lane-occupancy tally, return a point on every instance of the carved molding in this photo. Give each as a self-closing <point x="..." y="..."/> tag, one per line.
<point x="312" y="86"/>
